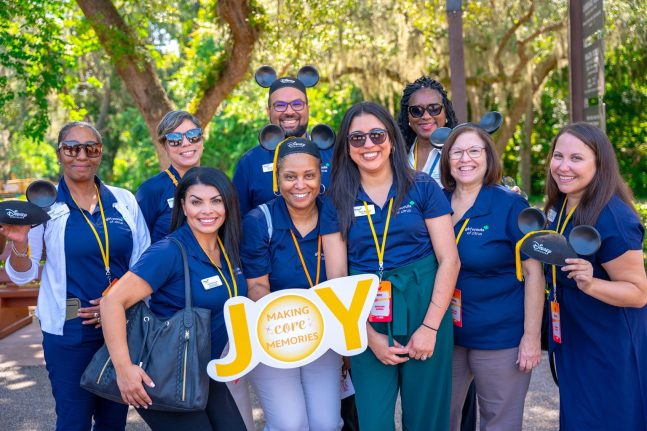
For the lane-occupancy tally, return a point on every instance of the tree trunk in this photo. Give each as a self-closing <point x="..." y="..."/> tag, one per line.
<point x="524" y="150"/>
<point x="136" y="69"/>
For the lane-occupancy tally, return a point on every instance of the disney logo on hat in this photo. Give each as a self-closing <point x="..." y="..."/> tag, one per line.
<point x="287" y="81"/>
<point x="539" y="247"/>
<point x="296" y="145"/>
<point x="15" y="214"/>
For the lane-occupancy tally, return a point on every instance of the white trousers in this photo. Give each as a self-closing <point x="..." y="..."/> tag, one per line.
<point x="301" y="399"/>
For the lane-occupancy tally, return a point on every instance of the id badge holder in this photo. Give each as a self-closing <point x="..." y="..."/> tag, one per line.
<point x="457" y="308"/>
<point x="555" y="322"/>
<point x="112" y="283"/>
<point x="382" y="306"/>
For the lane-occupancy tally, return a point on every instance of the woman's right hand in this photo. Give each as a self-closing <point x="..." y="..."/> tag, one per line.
<point x="129" y="380"/>
<point x="379" y="344"/>
<point x="15" y="233"/>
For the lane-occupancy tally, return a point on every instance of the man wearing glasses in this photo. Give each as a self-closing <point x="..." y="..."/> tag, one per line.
<point x="287" y="107"/>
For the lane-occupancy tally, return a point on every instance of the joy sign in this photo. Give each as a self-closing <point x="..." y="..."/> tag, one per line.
<point x="293" y="327"/>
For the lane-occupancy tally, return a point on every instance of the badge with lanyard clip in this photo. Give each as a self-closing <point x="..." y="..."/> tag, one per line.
<point x="382" y="310"/>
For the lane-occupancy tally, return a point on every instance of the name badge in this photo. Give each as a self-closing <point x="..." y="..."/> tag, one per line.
<point x="267" y="167"/>
<point x="170" y="202"/>
<point x="457" y="308"/>
<point x="551" y="215"/>
<point x="381" y="310"/>
<point x="360" y="210"/>
<point x="58" y="211"/>
<point x="211" y="282"/>
<point x="556" y="322"/>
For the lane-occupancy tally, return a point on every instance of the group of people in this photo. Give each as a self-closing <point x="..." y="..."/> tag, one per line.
<point x="435" y="224"/>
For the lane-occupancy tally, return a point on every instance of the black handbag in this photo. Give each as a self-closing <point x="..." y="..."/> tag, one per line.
<point x="174" y="352"/>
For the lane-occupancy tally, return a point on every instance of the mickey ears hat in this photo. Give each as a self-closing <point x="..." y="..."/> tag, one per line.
<point x="491" y="122"/>
<point x="307" y="77"/>
<point x="40" y="194"/>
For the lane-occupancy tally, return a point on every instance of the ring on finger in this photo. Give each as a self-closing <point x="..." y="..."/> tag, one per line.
<point x="99" y="319"/>
<point x="95" y="315"/>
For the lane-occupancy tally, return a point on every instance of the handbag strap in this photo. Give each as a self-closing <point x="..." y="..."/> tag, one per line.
<point x="188" y="315"/>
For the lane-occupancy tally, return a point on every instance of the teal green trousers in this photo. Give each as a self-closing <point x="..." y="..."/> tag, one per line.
<point x="424" y="386"/>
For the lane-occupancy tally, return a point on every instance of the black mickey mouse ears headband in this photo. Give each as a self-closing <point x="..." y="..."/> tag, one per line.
<point x="548" y="246"/>
<point x="40" y="195"/>
<point x="307" y="77"/>
<point x="491" y="122"/>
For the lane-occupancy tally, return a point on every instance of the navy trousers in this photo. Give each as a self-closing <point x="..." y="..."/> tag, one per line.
<point x="66" y="358"/>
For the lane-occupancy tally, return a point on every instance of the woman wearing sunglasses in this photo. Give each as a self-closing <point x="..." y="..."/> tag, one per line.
<point x="424" y="107"/>
<point x="96" y="232"/>
<point x="381" y="217"/>
<point x="281" y="249"/>
<point x="497" y="319"/>
<point x="180" y="133"/>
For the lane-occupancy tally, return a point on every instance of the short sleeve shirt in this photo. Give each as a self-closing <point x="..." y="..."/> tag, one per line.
<point x="253" y="177"/>
<point x="407" y="238"/>
<point x="155" y="198"/>
<point x="162" y="268"/>
<point x="278" y="256"/>
<point x="86" y="271"/>
<point x="492" y="299"/>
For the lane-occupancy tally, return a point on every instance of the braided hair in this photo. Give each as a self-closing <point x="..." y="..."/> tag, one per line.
<point x="403" y="117"/>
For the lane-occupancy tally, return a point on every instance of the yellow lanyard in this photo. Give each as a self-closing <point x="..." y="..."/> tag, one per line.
<point x="172" y="177"/>
<point x="380" y="251"/>
<point x="305" y="268"/>
<point x="105" y="253"/>
<point x="231" y="271"/>
<point x="415" y="159"/>
<point x="460" y="232"/>
<point x="561" y="232"/>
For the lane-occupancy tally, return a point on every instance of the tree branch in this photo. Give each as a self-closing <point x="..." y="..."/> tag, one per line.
<point x="224" y="76"/>
<point x="508" y="35"/>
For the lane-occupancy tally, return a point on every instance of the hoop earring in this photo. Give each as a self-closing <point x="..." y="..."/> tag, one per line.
<point x="277" y="194"/>
<point x="321" y="192"/>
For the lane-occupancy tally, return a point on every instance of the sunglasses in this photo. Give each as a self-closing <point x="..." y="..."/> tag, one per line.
<point x="358" y="139"/>
<point x="72" y="148"/>
<point x="281" y="106"/>
<point x="174" y="139"/>
<point x="417" y="111"/>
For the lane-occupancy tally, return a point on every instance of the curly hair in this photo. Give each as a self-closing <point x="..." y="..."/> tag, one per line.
<point x="403" y="116"/>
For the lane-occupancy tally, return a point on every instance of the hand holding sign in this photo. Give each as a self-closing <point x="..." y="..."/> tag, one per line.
<point x="293" y="327"/>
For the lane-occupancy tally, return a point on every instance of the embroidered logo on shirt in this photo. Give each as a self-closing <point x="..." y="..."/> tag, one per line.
<point x="476" y="231"/>
<point x="114" y="220"/>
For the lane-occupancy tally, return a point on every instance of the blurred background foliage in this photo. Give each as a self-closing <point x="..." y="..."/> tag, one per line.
<point x="53" y="69"/>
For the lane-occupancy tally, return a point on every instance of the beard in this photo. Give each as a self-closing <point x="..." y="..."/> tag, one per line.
<point x="298" y="131"/>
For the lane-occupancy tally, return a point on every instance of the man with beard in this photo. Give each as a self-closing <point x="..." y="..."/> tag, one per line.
<point x="288" y="108"/>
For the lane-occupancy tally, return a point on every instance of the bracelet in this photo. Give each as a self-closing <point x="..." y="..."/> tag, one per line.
<point x="429" y="327"/>
<point x="437" y="306"/>
<point x="17" y="253"/>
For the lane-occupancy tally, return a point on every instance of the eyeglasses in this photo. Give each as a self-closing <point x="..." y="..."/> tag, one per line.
<point x="358" y="139"/>
<point x="417" y="111"/>
<point x="281" y="106"/>
<point x="472" y="152"/>
<point x="174" y="139"/>
<point x="72" y="148"/>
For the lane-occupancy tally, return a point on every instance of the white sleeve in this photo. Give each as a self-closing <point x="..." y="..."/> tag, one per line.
<point x="35" y="240"/>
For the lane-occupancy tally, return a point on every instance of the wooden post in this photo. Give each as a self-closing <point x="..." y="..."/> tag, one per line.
<point x="457" y="59"/>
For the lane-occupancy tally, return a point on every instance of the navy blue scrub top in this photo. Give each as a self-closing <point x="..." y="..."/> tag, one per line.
<point x="86" y="272"/>
<point x="253" y="177"/>
<point x="492" y="297"/>
<point x="278" y="256"/>
<point x="407" y="239"/>
<point x="161" y="266"/>
<point x="155" y="198"/>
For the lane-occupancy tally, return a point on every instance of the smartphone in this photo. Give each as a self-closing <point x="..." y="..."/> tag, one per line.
<point x="72" y="308"/>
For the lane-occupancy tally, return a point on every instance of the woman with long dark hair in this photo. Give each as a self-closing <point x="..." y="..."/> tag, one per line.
<point x="206" y="220"/>
<point x="599" y="303"/>
<point x="383" y="218"/>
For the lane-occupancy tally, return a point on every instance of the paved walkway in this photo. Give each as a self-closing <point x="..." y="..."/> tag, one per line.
<point x="26" y="401"/>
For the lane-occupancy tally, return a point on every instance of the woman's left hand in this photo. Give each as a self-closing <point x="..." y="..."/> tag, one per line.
<point x="92" y="315"/>
<point x="581" y="271"/>
<point x="529" y="352"/>
<point x="422" y="343"/>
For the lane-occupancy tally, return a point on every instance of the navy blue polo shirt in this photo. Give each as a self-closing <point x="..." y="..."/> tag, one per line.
<point x="492" y="297"/>
<point x="253" y="176"/>
<point x="278" y="256"/>
<point x="162" y="268"/>
<point x="407" y="239"/>
<point x="85" y="270"/>
<point x="155" y="198"/>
